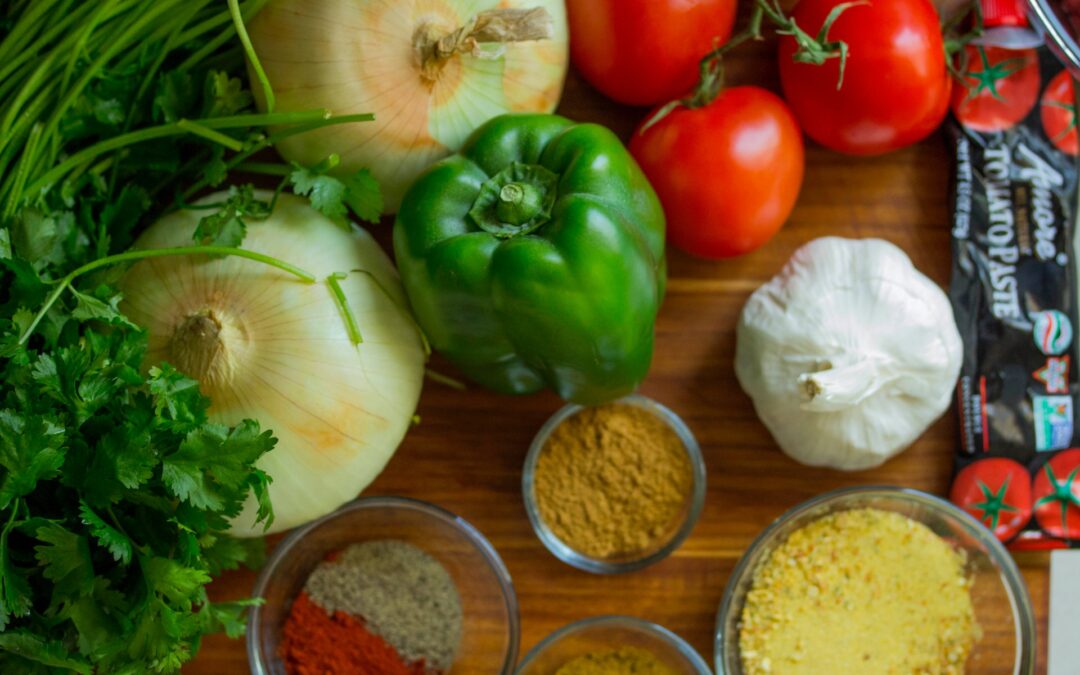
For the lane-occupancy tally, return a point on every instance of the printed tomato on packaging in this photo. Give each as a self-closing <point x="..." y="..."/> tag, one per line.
<point x="1014" y="293"/>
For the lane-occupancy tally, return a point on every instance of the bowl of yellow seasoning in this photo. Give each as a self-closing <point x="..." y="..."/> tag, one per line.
<point x="873" y="580"/>
<point x="614" y="488"/>
<point x="613" y="645"/>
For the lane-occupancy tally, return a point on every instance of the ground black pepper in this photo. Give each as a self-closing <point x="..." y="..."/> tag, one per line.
<point x="401" y="592"/>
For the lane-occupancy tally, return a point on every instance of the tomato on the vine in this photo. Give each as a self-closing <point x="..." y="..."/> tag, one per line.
<point x="999" y="88"/>
<point x="997" y="492"/>
<point x="895" y="89"/>
<point x="1057" y="495"/>
<point x="644" y="52"/>
<point x="1058" y="112"/>
<point x="728" y="173"/>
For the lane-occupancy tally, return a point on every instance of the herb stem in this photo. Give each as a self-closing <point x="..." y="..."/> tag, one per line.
<point x="253" y="58"/>
<point x="164" y="130"/>
<point x="353" y="328"/>
<point x="211" y="135"/>
<point x="131" y="256"/>
<point x="274" y="138"/>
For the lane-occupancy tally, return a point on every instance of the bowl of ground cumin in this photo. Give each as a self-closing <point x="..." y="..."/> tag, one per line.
<point x="614" y="488"/>
<point x="875" y="580"/>
<point x="384" y="586"/>
<point x="613" y="645"/>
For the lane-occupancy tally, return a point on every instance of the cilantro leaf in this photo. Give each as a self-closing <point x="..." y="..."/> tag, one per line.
<point x="74" y="376"/>
<point x="115" y="541"/>
<point x="34" y="235"/>
<point x="95" y="627"/>
<point x="224" y="95"/>
<point x="5" y="243"/>
<point x="364" y="196"/>
<point x="65" y="557"/>
<point x="177" y="583"/>
<point x="30" y="451"/>
<point x="221" y="228"/>
<point x="260" y="485"/>
<point x="326" y="193"/>
<point x="175" y="93"/>
<point x="211" y="469"/>
<point x="177" y="398"/>
<point x="229" y="616"/>
<point x="103" y="305"/>
<point x="215" y="171"/>
<point x="47" y="653"/>
<point x="226" y="226"/>
<point x="128" y="452"/>
<point x="228" y="553"/>
<point x="27" y="287"/>
<point x="15" y="599"/>
<point x="330" y="195"/>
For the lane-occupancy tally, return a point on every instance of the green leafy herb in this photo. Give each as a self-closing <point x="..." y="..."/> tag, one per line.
<point x="116" y="490"/>
<point x="330" y="195"/>
<point x="226" y="226"/>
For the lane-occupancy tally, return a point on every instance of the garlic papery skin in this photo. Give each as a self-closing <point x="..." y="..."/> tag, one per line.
<point x="848" y="354"/>
<point x="268" y="346"/>
<point x="380" y="56"/>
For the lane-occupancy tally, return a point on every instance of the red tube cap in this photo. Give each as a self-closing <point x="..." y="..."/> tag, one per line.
<point x="999" y="13"/>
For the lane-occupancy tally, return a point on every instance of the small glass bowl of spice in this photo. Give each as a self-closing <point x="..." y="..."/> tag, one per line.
<point x="871" y="580"/>
<point x="614" y="488"/>
<point x="613" y="645"/>
<point x="384" y="586"/>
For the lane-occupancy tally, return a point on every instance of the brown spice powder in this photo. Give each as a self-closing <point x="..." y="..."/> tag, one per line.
<point x="612" y="480"/>
<point x="622" y="661"/>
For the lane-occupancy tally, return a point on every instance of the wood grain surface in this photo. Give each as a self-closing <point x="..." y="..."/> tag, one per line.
<point x="467" y="453"/>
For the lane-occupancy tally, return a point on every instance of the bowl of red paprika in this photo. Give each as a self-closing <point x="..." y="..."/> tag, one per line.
<point x="428" y="560"/>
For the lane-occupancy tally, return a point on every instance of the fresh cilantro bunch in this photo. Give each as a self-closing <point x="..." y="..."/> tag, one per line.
<point x="115" y="489"/>
<point x="114" y="493"/>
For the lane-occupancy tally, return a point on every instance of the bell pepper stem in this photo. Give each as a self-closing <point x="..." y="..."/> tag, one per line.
<point x="518" y="203"/>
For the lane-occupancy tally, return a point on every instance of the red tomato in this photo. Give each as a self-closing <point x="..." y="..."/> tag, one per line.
<point x="997" y="492"/>
<point x="896" y="86"/>
<point x="999" y="88"/>
<point x="1058" y="111"/>
<point x="728" y="173"/>
<point x="1057" y="495"/>
<point x="644" y="52"/>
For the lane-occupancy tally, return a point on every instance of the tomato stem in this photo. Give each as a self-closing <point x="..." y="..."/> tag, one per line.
<point x="810" y="49"/>
<point x="956" y="42"/>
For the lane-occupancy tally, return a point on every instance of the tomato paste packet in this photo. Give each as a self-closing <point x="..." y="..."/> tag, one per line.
<point x="1014" y="294"/>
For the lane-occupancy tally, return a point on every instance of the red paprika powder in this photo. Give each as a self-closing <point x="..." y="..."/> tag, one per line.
<point x="316" y="643"/>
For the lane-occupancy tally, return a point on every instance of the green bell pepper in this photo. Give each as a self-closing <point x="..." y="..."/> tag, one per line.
<point x="535" y="257"/>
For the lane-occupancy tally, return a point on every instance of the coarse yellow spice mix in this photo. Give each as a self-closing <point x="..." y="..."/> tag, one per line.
<point x="612" y="481"/>
<point x="863" y="592"/>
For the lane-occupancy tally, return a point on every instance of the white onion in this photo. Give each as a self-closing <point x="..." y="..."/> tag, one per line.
<point x="267" y="346"/>
<point x="367" y="56"/>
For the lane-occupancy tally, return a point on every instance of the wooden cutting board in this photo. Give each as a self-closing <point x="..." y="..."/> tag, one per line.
<point x="467" y="453"/>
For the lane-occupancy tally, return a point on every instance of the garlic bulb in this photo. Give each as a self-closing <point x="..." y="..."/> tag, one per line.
<point x="848" y="354"/>
<point x="430" y="70"/>
<point x="267" y="346"/>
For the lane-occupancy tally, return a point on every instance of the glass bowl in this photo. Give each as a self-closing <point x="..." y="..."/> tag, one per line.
<point x="695" y="500"/>
<point x="489" y="642"/>
<point x="609" y="632"/>
<point x="1052" y="19"/>
<point x="1002" y="605"/>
